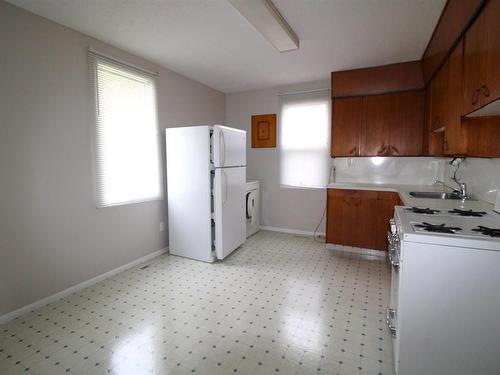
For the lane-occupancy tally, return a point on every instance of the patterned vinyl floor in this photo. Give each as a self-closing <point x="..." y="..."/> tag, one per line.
<point x="281" y="304"/>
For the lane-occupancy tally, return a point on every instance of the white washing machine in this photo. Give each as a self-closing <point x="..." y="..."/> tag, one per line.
<point x="252" y="199"/>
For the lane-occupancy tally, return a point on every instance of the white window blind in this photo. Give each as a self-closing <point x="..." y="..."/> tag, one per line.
<point x="127" y="139"/>
<point x="304" y="140"/>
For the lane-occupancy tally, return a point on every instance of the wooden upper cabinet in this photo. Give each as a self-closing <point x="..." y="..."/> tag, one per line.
<point x="437" y="87"/>
<point x="378" y="80"/>
<point x="481" y="73"/>
<point x="454" y="140"/>
<point x="483" y="136"/>
<point x="427" y="120"/>
<point x="456" y="15"/>
<point x="445" y="107"/>
<point x="405" y="135"/>
<point x="472" y="66"/>
<point x="492" y="59"/>
<point x="392" y="124"/>
<point x="346" y="126"/>
<point x="378" y="113"/>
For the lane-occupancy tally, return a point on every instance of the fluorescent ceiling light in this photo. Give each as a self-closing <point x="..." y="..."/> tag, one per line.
<point x="266" y="18"/>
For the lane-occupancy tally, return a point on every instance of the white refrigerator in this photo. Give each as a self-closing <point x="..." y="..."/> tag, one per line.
<point x="206" y="179"/>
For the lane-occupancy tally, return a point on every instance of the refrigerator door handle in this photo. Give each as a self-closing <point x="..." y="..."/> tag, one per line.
<point x="224" y="200"/>
<point x="222" y="151"/>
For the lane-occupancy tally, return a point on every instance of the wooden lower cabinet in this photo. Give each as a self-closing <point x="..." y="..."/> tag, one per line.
<point x="359" y="218"/>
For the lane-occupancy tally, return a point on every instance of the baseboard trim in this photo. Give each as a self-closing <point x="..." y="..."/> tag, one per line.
<point x="292" y="231"/>
<point x="357" y="250"/>
<point x="75" y="288"/>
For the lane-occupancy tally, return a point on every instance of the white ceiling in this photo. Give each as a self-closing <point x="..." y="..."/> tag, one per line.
<point x="209" y="41"/>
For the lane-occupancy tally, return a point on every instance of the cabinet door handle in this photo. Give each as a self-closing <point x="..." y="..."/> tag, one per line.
<point x="435" y="121"/>
<point x="438" y="122"/>
<point x="382" y="150"/>
<point x="475" y="97"/>
<point x="395" y="150"/>
<point x="351" y="201"/>
<point x="353" y="151"/>
<point x="485" y="90"/>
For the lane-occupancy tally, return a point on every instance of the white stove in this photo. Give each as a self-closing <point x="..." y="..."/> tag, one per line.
<point x="449" y="212"/>
<point x="465" y="228"/>
<point x="444" y="286"/>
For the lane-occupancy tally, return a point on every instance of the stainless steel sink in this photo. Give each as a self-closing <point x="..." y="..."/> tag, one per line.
<point x="434" y="195"/>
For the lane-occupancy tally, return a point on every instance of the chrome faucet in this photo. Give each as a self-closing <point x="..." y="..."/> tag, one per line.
<point x="462" y="193"/>
<point x="463" y="187"/>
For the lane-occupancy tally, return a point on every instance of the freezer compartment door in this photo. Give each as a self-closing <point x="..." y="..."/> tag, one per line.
<point x="228" y="147"/>
<point x="230" y="218"/>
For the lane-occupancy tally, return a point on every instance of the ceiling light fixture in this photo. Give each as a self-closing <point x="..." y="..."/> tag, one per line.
<point x="266" y="18"/>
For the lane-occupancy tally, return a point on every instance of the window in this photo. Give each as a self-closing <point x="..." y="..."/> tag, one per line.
<point x="304" y="142"/>
<point x="127" y="149"/>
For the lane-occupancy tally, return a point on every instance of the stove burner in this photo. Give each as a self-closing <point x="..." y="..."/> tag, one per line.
<point x="439" y="228"/>
<point x="492" y="232"/>
<point x="467" y="212"/>
<point x="418" y="210"/>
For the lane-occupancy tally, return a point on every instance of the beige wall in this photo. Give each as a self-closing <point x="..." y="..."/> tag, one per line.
<point x="297" y="209"/>
<point x="51" y="234"/>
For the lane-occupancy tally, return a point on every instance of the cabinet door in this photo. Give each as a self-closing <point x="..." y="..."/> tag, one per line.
<point x="406" y="124"/>
<point x="378" y="113"/>
<point x="474" y="53"/>
<point x="454" y="139"/>
<point x="365" y="225"/>
<point x="438" y="89"/>
<point x="350" y="218"/>
<point x="341" y="218"/>
<point x="346" y="126"/>
<point x="427" y="121"/>
<point x="490" y="86"/>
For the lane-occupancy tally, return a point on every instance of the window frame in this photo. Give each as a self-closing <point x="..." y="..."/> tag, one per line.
<point x="93" y="60"/>
<point x="314" y="96"/>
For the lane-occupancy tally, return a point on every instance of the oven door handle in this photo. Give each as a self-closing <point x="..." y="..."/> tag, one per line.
<point x="392" y="225"/>
<point x="394" y="245"/>
<point x="389" y="317"/>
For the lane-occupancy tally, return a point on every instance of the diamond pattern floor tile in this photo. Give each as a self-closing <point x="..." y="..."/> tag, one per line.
<point x="281" y="304"/>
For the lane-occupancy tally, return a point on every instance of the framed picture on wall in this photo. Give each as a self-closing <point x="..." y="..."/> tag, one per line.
<point x="264" y="131"/>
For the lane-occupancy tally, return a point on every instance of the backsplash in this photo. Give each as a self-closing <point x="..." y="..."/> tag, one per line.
<point x="389" y="170"/>
<point x="482" y="177"/>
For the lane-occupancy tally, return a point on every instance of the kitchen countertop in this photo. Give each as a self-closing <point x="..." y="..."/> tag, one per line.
<point x="404" y="190"/>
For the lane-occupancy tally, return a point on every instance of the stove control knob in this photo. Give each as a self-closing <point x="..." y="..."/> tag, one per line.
<point x="392" y="225"/>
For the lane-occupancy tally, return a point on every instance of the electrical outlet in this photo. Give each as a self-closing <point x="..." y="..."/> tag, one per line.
<point x="162" y="226"/>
